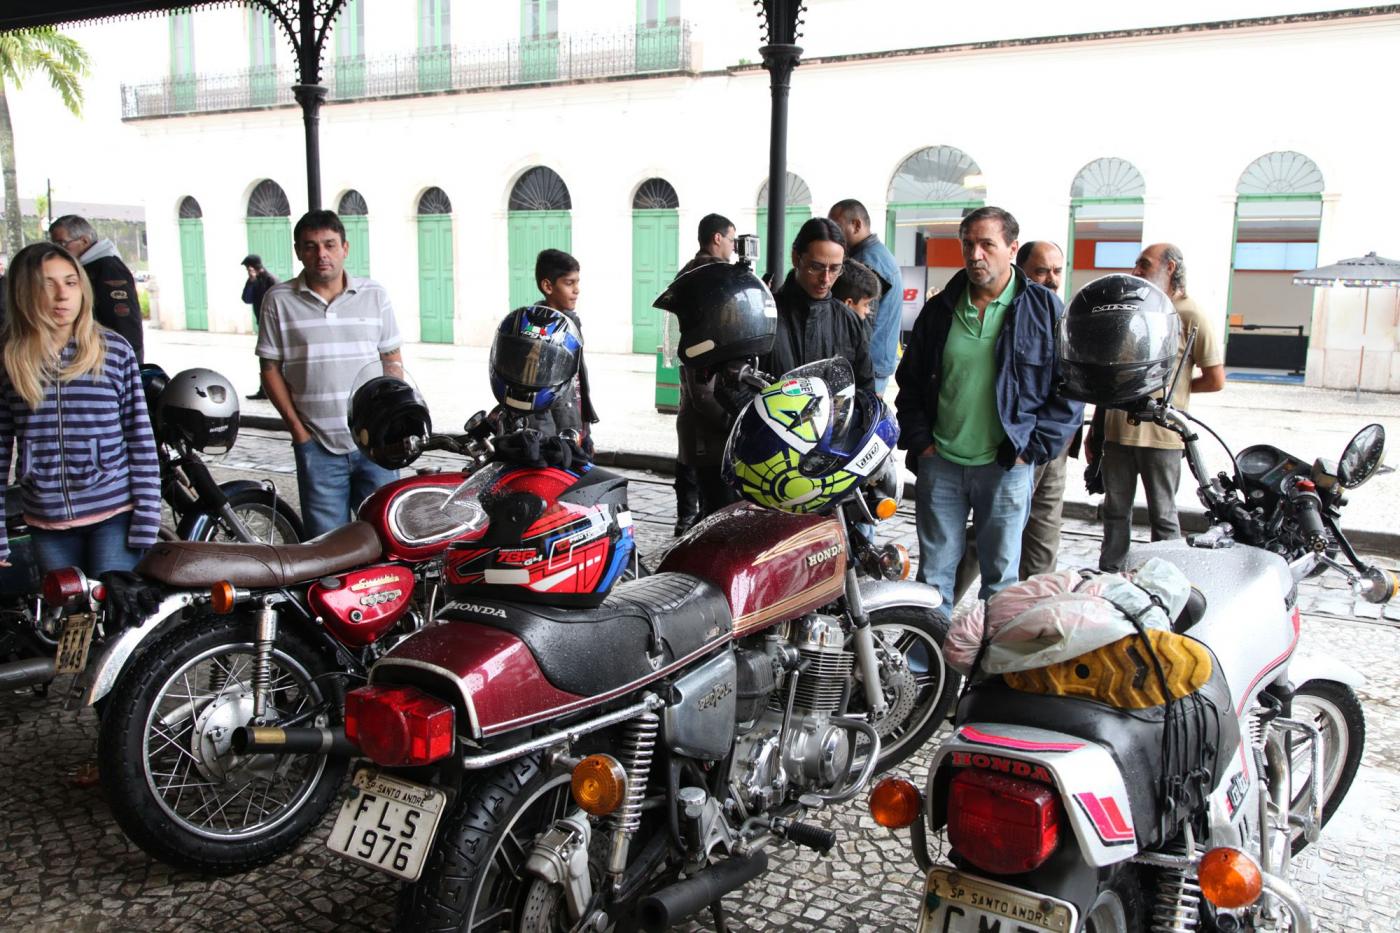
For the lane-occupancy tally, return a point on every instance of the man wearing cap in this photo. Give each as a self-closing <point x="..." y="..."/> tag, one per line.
<point x="259" y="281"/>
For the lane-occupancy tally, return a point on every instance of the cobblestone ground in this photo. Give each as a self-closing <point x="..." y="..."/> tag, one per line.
<point x="64" y="865"/>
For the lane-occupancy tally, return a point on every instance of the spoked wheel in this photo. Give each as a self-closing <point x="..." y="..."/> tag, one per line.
<point x="918" y="686"/>
<point x="271" y="521"/>
<point x="475" y="878"/>
<point x="1336" y="712"/>
<point x="175" y="784"/>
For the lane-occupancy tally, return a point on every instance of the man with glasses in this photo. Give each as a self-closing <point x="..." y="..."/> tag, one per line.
<point x="812" y="323"/>
<point x="115" y="303"/>
<point x="977" y="406"/>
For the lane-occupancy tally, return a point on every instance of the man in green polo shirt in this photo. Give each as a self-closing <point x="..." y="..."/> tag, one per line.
<point x="977" y="406"/>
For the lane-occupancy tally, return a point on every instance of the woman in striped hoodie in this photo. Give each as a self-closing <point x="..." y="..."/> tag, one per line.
<point x="70" y="394"/>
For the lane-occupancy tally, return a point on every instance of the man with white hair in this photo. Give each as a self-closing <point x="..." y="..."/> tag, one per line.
<point x="115" y="303"/>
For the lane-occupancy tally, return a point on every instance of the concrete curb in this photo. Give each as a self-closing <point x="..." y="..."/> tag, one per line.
<point x="1192" y="520"/>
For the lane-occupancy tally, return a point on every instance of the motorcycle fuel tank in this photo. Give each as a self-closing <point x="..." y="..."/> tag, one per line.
<point x="361" y="605"/>
<point x="409" y="517"/>
<point x="771" y="565"/>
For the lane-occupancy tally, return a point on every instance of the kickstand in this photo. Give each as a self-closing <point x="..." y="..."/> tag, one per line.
<point x="717" y="911"/>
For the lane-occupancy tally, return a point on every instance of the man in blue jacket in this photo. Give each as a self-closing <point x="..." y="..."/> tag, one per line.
<point x="978" y="407"/>
<point x="865" y="247"/>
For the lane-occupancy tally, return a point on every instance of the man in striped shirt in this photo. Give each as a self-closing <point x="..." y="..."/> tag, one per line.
<point x="318" y="330"/>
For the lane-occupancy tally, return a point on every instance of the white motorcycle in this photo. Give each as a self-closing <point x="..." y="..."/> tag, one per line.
<point x="1097" y="806"/>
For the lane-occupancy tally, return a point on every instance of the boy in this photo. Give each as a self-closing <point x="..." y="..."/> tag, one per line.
<point x="859" y="288"/>
<point x="557" y="277"/>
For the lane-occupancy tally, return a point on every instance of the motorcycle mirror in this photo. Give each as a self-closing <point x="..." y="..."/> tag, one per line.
<point x="1362" y="456"/>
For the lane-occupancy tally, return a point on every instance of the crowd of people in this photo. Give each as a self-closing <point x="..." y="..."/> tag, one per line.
<point x="984" y="428"/>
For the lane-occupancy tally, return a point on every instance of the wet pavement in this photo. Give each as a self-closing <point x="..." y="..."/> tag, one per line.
<point x="64" y="865"/>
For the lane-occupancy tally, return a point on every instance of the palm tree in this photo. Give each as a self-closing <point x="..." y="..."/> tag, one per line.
<point x="65" y="62"/>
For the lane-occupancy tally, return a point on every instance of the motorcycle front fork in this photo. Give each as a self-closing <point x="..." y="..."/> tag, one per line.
<point x="866" y="659"/>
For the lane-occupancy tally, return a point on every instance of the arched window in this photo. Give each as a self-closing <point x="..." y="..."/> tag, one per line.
<point x="352" y="204"/>
<point x="434" y="201"/>
<point x="656" y="194"/>
<point x="937" y="174"/>
<point x="795" y="192"/>
<point x="1105" y="220"/>
<point x="540" y="189"/>
<point x="268" y="200"/>
<point x="189" y="209"/>
<point x="1285" y="172"/>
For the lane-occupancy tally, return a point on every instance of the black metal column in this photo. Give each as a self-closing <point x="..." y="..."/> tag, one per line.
<point x="310" y="97"/>
<point x="780" y="56"/>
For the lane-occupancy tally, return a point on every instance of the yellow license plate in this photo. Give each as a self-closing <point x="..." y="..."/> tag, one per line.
<point x="955" y="902"/>
<point x="74" y="643"/>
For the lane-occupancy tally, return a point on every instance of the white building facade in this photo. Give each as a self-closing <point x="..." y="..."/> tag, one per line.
<point x="468" y="135"/>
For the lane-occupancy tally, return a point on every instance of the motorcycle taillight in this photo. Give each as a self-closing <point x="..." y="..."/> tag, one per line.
<point x="63" y="586"/>
<point x="399" y="726"/>
<point x="1001" y="824"/>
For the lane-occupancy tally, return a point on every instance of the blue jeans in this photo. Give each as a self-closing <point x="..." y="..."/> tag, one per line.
<point x="332" y="486"/>
<point x="93" y="549"/>
<point x="1000" y="502"/>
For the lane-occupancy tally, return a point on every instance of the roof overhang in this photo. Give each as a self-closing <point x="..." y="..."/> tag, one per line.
<point x="27" y="14"/>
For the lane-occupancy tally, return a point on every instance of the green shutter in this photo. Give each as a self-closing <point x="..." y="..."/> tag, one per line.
<point x="192" y="274"/>
<point x="182" y="80"/>
<point x="435" y="292"/>
<point x="357" y="236"/>
<point x="528" y="232"/>
<point x="434" y="45"/>
<point x="655" y="250"/>
<point x="539" y="40"/>
<point x="271" y="238"/>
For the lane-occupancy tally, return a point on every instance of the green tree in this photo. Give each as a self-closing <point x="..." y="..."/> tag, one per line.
<point x="64" y="62"/>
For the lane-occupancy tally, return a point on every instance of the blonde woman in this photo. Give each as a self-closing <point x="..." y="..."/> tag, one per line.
<point x="70" y="396"/>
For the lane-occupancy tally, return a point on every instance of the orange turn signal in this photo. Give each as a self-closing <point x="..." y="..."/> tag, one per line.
<point x="886" y="508"/>
<point x="599" y="784"/>
<point x="895" y="803"/>
<point x="221" y="597"/>
<point x="1230" y="878"/>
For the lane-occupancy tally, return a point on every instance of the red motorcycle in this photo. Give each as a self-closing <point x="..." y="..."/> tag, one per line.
<point x="629" y="760"/>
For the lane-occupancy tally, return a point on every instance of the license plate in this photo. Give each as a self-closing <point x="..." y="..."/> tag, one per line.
<point x="74" y="643"/>
<point x="387" y="824"/>
<point x="958" y="903"/>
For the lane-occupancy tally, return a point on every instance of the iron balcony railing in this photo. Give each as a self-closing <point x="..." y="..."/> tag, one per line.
<point x="640" y="50"/>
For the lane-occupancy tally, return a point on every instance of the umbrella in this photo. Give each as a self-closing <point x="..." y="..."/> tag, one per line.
<point x="1368" y="272"/>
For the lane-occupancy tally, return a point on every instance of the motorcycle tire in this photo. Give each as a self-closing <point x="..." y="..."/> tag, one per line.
<point x="164" y="754"/>
<point x="1335" y="710"/>
<point x="917" y="634"/>
<point x="497" y="817"/>
<point x="1119" y="907"/>
<point x="271" y="521"/>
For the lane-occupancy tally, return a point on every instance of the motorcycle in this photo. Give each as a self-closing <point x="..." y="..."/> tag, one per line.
<point x="534" y="767"/>
<point x="203" y="509"/>
<point x="1098" y="806"/>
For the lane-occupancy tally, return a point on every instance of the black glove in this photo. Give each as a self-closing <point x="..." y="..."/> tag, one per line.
<point x="1093" y="479"/>
<point x="130" y="599"/>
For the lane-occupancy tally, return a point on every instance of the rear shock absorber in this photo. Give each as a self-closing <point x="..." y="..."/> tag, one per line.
<point x="1177" y="908"/>
<point x="266" y="622"/>
<point x="638" y="747"/>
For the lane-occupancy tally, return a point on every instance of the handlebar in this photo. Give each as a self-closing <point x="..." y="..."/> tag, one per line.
<point x="1307" y="509"/>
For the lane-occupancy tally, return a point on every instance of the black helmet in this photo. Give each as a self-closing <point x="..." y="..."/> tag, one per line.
<point x="534" y="355"/>
<point x="153" y="383"/>
<point x="725" y="313"/>
<point x="388" y="418"/>
<point x="1117" y="342"/>
<point x="197" y="407"/>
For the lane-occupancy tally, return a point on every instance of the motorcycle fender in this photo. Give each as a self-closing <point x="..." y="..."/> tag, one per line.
<point x="1092" y="790"/>
<point x="192" y="525"/>
<point x="109" y="666"/>
<point x="1304" y="667"/>
<point x="882" y="594"/>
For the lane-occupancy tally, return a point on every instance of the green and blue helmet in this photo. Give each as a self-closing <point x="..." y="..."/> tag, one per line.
<point x="808" y="440"/>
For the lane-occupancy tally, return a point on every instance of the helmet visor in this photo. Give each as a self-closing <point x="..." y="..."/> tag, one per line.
<point x="532" y="363"/>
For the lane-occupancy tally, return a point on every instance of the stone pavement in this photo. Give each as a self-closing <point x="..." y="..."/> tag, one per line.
<point x="64" y="865"/>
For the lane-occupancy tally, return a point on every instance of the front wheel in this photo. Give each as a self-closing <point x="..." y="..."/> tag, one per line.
<point x="271" y="520"/>
<point x="1335" y="710"/>
<point x="918" y="686"/>
<point x="176" y="787"/>
<point x="475" y="877"/>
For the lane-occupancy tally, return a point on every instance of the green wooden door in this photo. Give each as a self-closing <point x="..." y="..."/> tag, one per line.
<point x="357" y="235"/>
<point x="658" y="35"/>
<point x="435" y="294"/>
<point x="182" y="82"/>
<point x="528" y="232"/>
<point x="271" y="238"/>
<point x="192" y="274"/>
<point x="539" y="40"/>
<point x="794" y="217"/>
<point x="350" y="51"/>
<point x="262" y="59"/>
<point x="434" y="45"/>
<point x="655" y="251"/>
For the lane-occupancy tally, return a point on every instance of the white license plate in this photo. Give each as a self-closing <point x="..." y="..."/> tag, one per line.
<point x="958" y="903"/>
<point x="387" y="824"/>
<point x="73" y="644"/>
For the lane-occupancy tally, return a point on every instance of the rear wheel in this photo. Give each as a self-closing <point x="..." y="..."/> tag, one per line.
<point x="174" y="783"/>
<point x="1118" y="907"/>
<point x="475" y="877"/>
<point x="1336" y="712"/>
<point x="918" y="686"/>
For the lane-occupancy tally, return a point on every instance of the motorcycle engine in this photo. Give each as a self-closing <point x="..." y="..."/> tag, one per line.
<point x="814" y="755"/>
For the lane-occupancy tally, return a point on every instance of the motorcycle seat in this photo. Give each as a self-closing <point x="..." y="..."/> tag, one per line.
<point x="1132" y="737"/>
<point x="192" y="564"/>
<point x="642" y="628"/>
